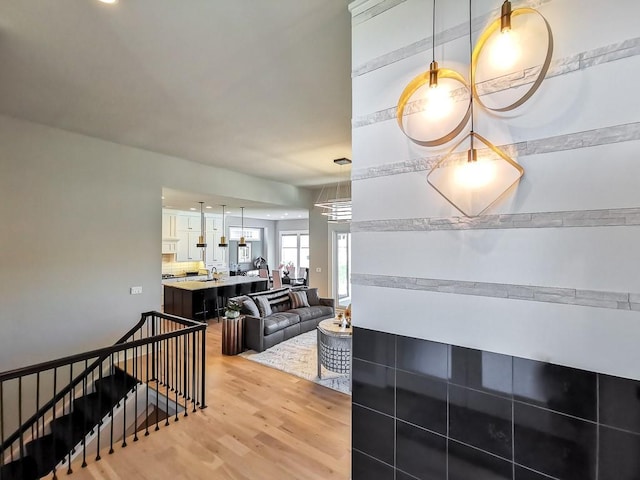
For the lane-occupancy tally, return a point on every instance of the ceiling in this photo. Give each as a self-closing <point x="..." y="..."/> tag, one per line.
<point x="259" y="87"/>
<point x="189" y="201"/>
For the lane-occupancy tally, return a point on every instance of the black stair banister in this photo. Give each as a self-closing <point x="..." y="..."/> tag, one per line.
<point x="77" y="410"/>
<point x="36" y="369"/>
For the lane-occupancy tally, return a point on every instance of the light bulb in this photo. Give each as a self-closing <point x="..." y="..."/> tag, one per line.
<point x="475" y="174"/>
<point x="438" y="103"/>
<point x="506" y="50"/>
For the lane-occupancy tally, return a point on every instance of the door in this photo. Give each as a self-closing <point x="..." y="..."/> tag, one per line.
<point x="342" y="268"/>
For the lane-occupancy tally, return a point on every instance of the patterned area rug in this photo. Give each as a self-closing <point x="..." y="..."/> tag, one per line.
<point x="298" y="356"/>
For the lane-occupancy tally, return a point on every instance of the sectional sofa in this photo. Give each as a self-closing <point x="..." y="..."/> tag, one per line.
<point x="277" y="315"/>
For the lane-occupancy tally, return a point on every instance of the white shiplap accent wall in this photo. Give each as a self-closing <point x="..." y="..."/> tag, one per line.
<point x="418" y="273"/>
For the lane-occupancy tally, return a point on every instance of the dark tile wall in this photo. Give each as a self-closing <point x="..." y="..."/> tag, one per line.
<point x="430" y="411"/>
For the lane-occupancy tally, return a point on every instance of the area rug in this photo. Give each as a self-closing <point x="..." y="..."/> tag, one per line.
<point x="298" y="356"/>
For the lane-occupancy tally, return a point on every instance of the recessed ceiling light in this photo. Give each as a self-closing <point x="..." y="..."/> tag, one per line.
<point x="111" y="2"/>
<point x="162" y="197"/>
<point x="286" y="214"/>
<point x="268" y="214"/>
<point x="193" y="209"/>
<point x="208" y="206"/>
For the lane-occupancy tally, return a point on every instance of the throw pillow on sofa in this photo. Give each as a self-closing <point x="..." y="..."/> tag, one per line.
<point x="250" y="306"/>
<point x="278" y="299"/>
<point x="312" y="297"/>
<point x="299" y="299"/>
<point x="263" y="306"/>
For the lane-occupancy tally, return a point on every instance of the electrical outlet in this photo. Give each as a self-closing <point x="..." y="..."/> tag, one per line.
<point x="135" y="290"/>
<point x="318" y="270"/>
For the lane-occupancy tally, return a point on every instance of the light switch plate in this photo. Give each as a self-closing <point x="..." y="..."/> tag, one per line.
<point x="135" y="290"/>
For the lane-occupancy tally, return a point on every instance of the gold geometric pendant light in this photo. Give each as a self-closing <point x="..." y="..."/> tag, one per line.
<point x="474" y="180"/>
<point x="498" y="51"/>
<point x="434" y="107"/>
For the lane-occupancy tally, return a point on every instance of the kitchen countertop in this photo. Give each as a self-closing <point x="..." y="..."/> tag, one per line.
<point x="202" y="285"/>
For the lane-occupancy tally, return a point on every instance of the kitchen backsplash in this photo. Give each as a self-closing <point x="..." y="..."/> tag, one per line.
<point x="177" y="268"/>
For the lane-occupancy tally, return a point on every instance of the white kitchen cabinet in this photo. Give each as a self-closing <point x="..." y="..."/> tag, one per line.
<point x="169" y="247"/>
<point x="213" y="224"/>
<point x="168" y="225"/>
<point x="187" y="223"/>
<point x="187" y="250"/>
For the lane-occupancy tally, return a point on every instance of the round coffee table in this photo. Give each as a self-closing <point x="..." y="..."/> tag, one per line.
<point x="334" y="347"/>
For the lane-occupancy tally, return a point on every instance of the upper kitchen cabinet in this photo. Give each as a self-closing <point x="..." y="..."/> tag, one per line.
<point x="187" y="250"/>
<point x="214" y="225"/>
<point x="169" y="233"/>
<point x="188" y="223"/>
<point x="169" y="226"/>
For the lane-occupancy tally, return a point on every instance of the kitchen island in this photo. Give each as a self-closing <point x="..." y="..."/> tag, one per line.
<point x="200" y="299"/>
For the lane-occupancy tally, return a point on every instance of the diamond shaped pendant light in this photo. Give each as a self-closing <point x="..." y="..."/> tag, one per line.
<point x="474" y="179"/>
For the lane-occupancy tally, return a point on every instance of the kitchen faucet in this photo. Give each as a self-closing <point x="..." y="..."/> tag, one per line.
<point x="213" y="271"/>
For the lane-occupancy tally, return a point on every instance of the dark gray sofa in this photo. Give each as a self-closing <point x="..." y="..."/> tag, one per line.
<point x="264" y="329"/>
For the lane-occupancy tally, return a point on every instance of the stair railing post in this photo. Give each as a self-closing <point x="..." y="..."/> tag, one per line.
<point x="153" y="349"/>
<point x="203" y="403"/>
<point x="71" y="398"/>
<point x="1" y="426"/>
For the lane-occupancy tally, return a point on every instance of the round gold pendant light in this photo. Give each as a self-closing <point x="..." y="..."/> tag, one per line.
<point x="498" y="34"/>
<point x="437" y="104"/>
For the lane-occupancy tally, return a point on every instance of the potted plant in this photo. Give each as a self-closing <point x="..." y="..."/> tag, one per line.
<point x="233" y="309"/>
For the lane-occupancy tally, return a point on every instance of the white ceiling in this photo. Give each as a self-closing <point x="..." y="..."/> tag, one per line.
<point x="189" y="201"/>
<point x="262" y="87"/>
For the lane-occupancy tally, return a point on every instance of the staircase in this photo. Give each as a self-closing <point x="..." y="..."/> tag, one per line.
<point x="165" y="356"/>
<point x="44" y="453"/>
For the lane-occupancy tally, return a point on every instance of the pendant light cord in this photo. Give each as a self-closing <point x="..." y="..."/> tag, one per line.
<point x="471" y="67"/>
<point x="433" y="33"/>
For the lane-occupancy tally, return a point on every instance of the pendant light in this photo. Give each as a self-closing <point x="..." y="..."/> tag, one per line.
<point x="436" y="124"/>
<point x="242" y="242"/>
<point x="202" y="241"/>
<point x="475" y="181"/>
<point x="223" y="239"/>
<point x="337" y="206"/>
<point x="510" y="47"/>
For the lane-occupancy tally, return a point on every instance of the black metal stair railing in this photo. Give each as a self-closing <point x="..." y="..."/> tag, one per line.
<point x="70" y="404"/>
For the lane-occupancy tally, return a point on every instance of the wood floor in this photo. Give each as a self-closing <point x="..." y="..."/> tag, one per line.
<point x="260" y="424"/>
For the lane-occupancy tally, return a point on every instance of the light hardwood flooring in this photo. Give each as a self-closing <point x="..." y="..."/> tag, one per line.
<point x="260" y="424"/>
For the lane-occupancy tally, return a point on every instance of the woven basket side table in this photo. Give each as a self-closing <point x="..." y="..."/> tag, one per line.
<point x="334" y="347"/>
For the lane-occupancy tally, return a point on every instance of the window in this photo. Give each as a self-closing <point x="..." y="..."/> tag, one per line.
<point x="342" y="268"/>
<point x="294" y="248"/>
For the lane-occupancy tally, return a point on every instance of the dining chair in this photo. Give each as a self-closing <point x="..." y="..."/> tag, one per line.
<point x="277" y="278"/>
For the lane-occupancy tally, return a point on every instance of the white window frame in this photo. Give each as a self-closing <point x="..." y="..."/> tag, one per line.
<point x="292" y="232"/>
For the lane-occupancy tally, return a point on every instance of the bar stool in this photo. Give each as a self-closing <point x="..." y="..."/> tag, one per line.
<point x="244" y="288"/>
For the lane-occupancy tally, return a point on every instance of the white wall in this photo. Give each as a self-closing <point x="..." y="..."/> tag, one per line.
<point x="578" y="140"/>
<point x="320" y="252"/>
<point x="81" y="223"/>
